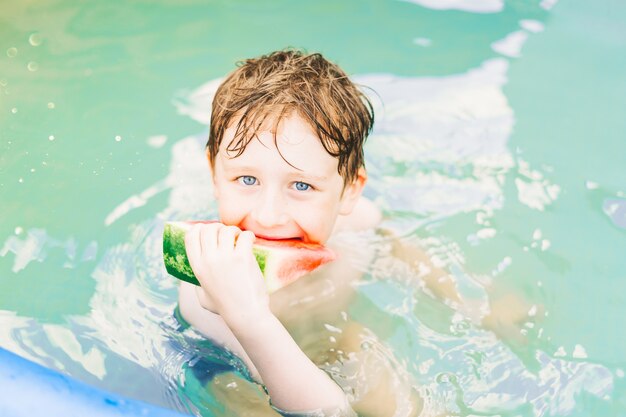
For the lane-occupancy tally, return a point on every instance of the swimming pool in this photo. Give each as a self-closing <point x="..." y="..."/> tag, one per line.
<point x="499" y="147"/>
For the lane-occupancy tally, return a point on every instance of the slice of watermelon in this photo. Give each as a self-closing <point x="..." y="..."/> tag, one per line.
<point x="281" y="261"/>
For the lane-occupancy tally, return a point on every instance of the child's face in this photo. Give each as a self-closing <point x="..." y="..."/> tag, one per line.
<point x="297" y="195"/>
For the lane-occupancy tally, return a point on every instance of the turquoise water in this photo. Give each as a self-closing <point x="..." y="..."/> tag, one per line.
<point x="499" y="147"/>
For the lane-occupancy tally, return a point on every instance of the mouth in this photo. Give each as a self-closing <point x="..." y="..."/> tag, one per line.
<point x="279" y="238"/>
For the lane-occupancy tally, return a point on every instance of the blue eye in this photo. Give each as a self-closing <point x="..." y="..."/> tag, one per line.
<point x="247" y="180"/>
<point x="302" y="186"/>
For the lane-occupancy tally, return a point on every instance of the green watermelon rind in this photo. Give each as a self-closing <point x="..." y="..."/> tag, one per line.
<point x="175" y="254"/>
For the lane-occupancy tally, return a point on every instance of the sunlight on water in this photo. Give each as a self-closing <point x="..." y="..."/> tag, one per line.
<point x="439" y="148"/>
<point x="453" y="162"/>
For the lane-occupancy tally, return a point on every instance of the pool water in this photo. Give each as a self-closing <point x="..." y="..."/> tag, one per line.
<point x="499" y="148"/>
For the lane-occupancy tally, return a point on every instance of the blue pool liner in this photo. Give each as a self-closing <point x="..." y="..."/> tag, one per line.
<point x="31" y="390"/>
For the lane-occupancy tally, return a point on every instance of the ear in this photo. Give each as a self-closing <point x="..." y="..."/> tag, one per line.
<point x="352" y="192"/>
<point x="216" y="192"/>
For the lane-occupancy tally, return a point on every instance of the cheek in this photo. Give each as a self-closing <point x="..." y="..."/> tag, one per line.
<point x="231" y="210"/>
<point x="317" y="219"/>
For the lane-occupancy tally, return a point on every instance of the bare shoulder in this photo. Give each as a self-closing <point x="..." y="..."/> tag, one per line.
<point x="365" y="215"/>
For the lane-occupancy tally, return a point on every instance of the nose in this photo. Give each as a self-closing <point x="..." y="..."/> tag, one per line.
<point x="271" y="209"/>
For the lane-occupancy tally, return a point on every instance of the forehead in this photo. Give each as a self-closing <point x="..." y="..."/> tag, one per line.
<point x="291" y="142"/>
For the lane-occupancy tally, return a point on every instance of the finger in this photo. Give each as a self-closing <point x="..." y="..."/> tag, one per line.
<point x="208" y="236"/>
<point x="226" y="237"/>
<point x="245" y="240"/>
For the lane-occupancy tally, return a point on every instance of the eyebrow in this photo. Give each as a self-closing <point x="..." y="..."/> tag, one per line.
<point x="316" y="178"/>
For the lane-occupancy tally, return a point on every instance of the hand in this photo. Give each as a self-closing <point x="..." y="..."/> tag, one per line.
<point x="231" y="283"/>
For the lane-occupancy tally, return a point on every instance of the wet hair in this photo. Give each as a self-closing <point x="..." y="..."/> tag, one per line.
<point x="272" y="87"/>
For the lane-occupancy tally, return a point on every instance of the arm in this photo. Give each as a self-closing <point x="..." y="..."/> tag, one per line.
<point x="292" y="380"/>
<point x="232" y="286"/>
<point x="503" y="314"/>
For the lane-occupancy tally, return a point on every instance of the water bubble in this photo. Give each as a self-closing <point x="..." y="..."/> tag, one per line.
<point x="21" y="180"/>
<point x="446" y="378"/>
<point x="11" y="52"/>
<point x="460" y="327"/>
<point x="51" y="105"/>
<point x="32" y="170"/>
<point x="157" y="141"/>
<point x="579" y="352"/>
<point x="35" y="39"/>
<point x="426" y="42"/>
<point x="32" y="66"/>
<point x="530" y="25"/>
<point x="18" y="230"/>
<point x="14" y="110"/>
<point x="118" y="138"/>
<point x="51" y="137"/>
<point x="547" y="4"/>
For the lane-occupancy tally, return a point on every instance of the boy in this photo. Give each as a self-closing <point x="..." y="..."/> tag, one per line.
<point x="286" y="155"/>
